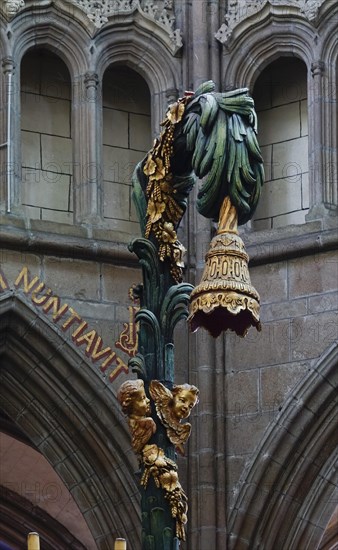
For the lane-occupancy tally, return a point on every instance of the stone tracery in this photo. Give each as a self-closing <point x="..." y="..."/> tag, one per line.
<point x="239" y="10"/>
<point x="161" y="12"/>
<point x="13" y="6"/>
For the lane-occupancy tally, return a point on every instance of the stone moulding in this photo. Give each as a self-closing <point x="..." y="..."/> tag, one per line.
<point x="13" y="6"/>
<point x="240" y="10"/>
<point x="162" y="12"/>
<point x="159" y="13"/>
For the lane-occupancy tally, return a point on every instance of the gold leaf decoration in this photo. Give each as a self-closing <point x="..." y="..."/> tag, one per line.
<point x="155" y="210"/>
<point x="163" y="211"/>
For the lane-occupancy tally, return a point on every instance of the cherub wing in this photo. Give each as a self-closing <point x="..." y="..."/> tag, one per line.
<point x="179" y="435"/>
<point x="141" y="429"/>
<point x="161" y="397"/>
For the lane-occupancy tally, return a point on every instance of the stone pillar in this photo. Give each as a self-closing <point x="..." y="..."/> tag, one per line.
<point x="9" y="137"/>
<point x="330" y="124"/>
<point x="206" y="367"/>
<point x="203" y="59"/>
<point x="87" y="134"/>
<point x="317" y="176"/>
<point x="198" y="44"/>
<point x="213" y="7"/>
<point x="3" y="138"/>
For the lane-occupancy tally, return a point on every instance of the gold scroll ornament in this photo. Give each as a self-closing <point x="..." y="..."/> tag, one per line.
<point x="128" y="339"/>
<point x="225" y="298"/>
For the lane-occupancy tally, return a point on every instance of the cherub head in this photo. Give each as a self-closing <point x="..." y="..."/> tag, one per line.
<point x="185" y="397"/>
<point x="133" y="399"/>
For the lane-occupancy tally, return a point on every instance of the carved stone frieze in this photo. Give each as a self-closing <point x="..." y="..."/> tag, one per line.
<point x="100" y="12"/>
<point x="159" y="11"/>
<point x="239" y="10"/>
<point x="13" y="6"/>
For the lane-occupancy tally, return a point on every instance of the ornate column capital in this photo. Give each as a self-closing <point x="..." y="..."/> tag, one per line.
<point x="317" y="68"/>
<point x="8" y="65"/>
<point x="91" y="79"/>
<point x="91" y="82"/>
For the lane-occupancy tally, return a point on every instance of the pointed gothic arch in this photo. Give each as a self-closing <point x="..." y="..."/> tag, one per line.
<point x="71" y="415"/>
<point x="50" y="28"/>
<point x="17" y="513"/>
<point x="287" y="493"/>
<point x="145" y="55"/>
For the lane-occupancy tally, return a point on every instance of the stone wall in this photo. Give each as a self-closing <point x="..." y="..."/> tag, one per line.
<point x="126" y="139"/>
<point x="93" y="292"/>
<point x="281" y="101"/>
<point x="299" y="324"/>
<point x="46" y="138"/>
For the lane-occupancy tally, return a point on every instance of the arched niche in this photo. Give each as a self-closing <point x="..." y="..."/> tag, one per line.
<point x="126" y="114"/>
<point x="46" y="137"/>
<point x="71" y="416"/>
<point x="271" y="36"/>
<point x="280" y="95"/>
<point x="146" y="56"/>
<point x="48" y="27"/>
<point x="286" y="496"/>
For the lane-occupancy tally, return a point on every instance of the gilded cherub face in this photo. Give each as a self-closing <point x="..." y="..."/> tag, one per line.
<point x="140" y="405"/>
<point x="183" y="402"/>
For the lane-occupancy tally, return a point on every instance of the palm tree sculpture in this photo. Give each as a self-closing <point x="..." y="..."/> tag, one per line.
<point x="205" y="135"/>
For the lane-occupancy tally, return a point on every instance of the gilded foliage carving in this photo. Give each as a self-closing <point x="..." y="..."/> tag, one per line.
<point x="163" y="470"/>
<point x="172" y="406"/>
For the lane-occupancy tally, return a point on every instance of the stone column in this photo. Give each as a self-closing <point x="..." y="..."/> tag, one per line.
<point x="87" y="134"/>
<point x="9" y="137"/>
<point x="213" y="7"/>
<point x="330" y="124"/>
<point x="206" y="468"/>
<point x="3" y="138"/>
<point x="317" y="176"/>
<point x="198" y="43"/>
